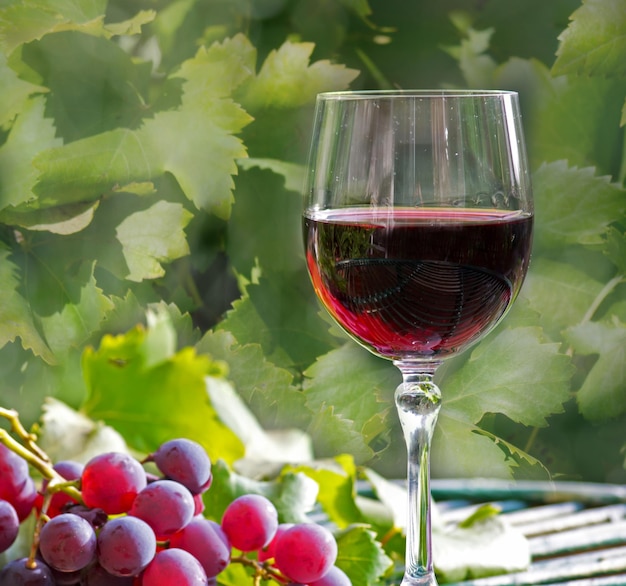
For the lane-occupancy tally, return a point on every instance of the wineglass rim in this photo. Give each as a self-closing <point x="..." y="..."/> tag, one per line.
<point x="417" y="93"/>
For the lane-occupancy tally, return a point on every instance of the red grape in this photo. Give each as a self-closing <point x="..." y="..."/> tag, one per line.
<point x="207" y="542"/>
<point x="19" y="573"/>
<point x="14" y="474"/>
<point x="269" y="551"/>
<point x="25" y="500"/>
<point x="69" y="470"/>
<point x="9" y="525"/>
<point x="67" y="542"/>
<point x="126" y="545"/>
<point x="166" y="506"/>
<point x="111" y="482"/>
<point x="334" y="577"/>
<point x="250" y="522"/>
<point x="305" y="552"/>
<point x="174" y="566"/>
<point x="185" y="461"/>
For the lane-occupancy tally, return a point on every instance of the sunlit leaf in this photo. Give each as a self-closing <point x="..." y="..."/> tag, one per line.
<point x="595" y="41"/>
<point x="153" y="236"/>
<point x="287" y="80"/>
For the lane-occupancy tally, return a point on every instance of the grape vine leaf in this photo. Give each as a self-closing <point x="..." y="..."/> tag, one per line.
<point x="94" y="85"/>
<point x="15" y="92"/>
<point x="574" y="205"/>
<point x="24" y="22"/>
<point x="615" y="248"/>
<point x="594" y="42"/>
<point x="16" y="319"/>
<point x="350" y="391"/>
<point x="288" y="80"/>
<point x="150" y="398"/>
<point x="30" y="134"/>
<point x="560" y="292"/>
<point x="266" y="388"/>
<point x="602" y="394"/>
<point x="151" y="236"/>
<point x="361" y="556"/>
<point x="337" y="488"/>
<point x="78" y="319"/>
<point x="507" y="365"/>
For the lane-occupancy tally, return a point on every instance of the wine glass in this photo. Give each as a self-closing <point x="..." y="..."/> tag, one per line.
<point x="418" y="228"/>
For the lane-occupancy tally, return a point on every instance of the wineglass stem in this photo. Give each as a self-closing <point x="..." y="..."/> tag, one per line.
<point x="418" y="400"/>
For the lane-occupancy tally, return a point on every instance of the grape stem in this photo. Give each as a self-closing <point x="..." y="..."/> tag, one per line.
<point x="35" y="456"/>
<point x="262" y="571"/>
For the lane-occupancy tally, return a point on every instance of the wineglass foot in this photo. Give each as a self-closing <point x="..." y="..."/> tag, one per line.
<point x="423" y="580"/>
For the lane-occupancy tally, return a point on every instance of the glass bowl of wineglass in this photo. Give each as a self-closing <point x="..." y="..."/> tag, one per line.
<point x="418" y="229"/>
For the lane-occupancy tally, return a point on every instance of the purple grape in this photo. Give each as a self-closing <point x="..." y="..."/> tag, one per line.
<point x="25" y="500"/>
<point x="96" y="575"/>
<point x="69" y="470"/>
<point x="66" y="578"/>
<point x="174" y="566"/>
<point x="126" y="545"/>
<point x="166" y="506"/>
<point x="9" y="525"/>
<point x="111" y="482"/>
<point x="207" y="542"/>
<point x="19" y="573"/>
<point x="185" y="461"/>
<point x="67" y="543"/>
<point x="306" y="552"/>
<point x="14" y="474"/>
<point x="334" y="577"/>
<point x="250" y="522"/>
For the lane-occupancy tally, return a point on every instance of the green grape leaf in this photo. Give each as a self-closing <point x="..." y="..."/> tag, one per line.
<point x="486" y="548"/>
<point x="85" y="169"/>
<point x="204" y="163"/>
<point x="27" y="21"/>
<point x="288" y="80"/>
<point x="33" y="19"/>
<point x="67" y="219"/>
<point x="293" y="495"/>
<point x="595" y="41"/>
<point x="573" y="205"/>
<point x="293" y="173"/>
<point x="104" y="88"/>
<point x="218" y="70"/>
<point x="361" y="556"/>
<point x="511" y="364"/>
<point x="276" y="314"/>
<point x="459" y="450"/>
<point x="358" y="387"/>
<point x="337" y="492"/>
<point x="16" y="318"/>
<point x="76" y="322"/>
<point x="152" y="236"/>
<point x="31" y="133"/>
<point x="15" y="92"/>
<point x="477" y="67"/>
<point x="137" y="386"/>
<point x="615" y="248"/>
<point x="266" y="388"/>
<point x="601" y="395"/>
<point x="560" y="292"/>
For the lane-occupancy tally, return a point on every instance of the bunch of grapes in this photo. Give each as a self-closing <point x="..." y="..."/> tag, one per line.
<point x="111" y="523"/>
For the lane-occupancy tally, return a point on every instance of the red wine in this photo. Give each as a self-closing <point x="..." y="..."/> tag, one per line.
<point x="418" y="283"/>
